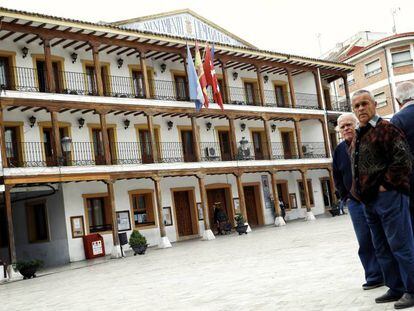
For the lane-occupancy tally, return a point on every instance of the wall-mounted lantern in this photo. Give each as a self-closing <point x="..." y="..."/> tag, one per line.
<point x="32" y="121"/>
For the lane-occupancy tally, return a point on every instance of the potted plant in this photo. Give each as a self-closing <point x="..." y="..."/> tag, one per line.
<point x="241" y="226"/>
<point x="28" y="268"/>
<point x="138" y="242"/>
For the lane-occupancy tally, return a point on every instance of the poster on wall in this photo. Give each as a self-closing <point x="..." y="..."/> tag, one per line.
<point x="78" y="229"/>
<point x="167" y="216"/>
<point x="266" y="192"/>
<point x="123" y="221"/>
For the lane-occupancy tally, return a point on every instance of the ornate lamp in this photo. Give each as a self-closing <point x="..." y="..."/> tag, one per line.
<point x="273" y="127"/>
<point x="242" y="126"/>
<point x="25" y="51"/>
<point x="170" y="124"/>
<point x="163" y="67"/>
<point x="126" y="123"/>
<point x="208" y="126"/>
<point x="74" y="57"/>
<point x="235" y="75"/>
<point x="120" y="62"/>
<point x="81" y="122"/>
<point x="32" y="121"/>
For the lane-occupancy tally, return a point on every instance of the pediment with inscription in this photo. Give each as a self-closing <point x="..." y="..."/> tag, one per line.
<point x="185" y="25"/>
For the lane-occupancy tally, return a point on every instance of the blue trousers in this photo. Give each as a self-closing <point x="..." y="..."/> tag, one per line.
<point x="366" y="251"/>
<point x="388" y="217"/>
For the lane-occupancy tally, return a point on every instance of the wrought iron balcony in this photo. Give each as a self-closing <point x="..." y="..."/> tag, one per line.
<point x="78" y="83"/>
<point x="39" y="154"/>
<point x="339" y="104"/>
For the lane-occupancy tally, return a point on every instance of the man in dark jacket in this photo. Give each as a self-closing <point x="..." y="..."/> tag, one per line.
<point x="404" y="120"/>
<point x="381" y="167"/>
<point x="342" y="174"/>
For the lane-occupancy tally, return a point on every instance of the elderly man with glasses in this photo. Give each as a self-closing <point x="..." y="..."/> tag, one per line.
<point x="342" y="174"/>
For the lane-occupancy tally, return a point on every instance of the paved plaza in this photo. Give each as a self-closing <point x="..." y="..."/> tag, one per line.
<point x="303" y="266"/>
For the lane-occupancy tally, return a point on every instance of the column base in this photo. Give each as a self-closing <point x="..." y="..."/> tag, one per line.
<point x="309" y="216"/>
<point x="248" y="227"/>
<point x="13" y="275"/>
<point x="279" y="221"/>
<point x="116" y="252"/>
<point x="164" y="242"/>
<point x="208" y="235"/>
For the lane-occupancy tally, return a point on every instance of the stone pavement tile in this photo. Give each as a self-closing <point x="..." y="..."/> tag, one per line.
<point x="303" y="266"/>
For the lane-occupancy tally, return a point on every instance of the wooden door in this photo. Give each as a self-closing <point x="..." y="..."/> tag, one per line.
<point x="41" y="75"/>
<point x="90" y="80"/>
<point x="251" y="205"/>
<point x="5" y="73"/>
<point x="280" y="96"/>
<point x="225" y="145"/>
<point x="13" y="146"/>
<point x="282" y="191"/>
<point x="258" y="145"/>
<point x="218" y="197"/>
<point x="145" y="144"/>
<point x="188" y="145"/>
<point x="181" y="87"/>
<point x="327" y="97"/>
<point x="47" y="143"/>
<point x="98" y="147"/>
<point x="138" y="84"/>
<point x="287" y="145"/>
<point x="250" y="93"/>
<point x="183" y="213"/>
<point x="106" y="82"/>
<point x="326" y="193"/>
<point x="57" y="76"/>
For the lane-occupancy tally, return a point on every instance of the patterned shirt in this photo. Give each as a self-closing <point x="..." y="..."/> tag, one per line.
<point x="380" y="156"/>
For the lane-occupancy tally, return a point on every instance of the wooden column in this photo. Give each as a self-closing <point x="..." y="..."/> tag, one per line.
<point x="111" y="197"/>
<point x="97" y="68"/>
<point x="157" y="185"/>
<point x="325" y="137"/>
<point x="298" y="133"/>
<point x="346" y="87"/>
<point x="306" y="189"/>
<point x="143" y="64"/>
<point x="233" y="141"/>
<point x="10" y="228"/>
<point x="268" y="138"/>
<point x="273" y="179"/>
<point x="204" y="201"/>
<point x="260" y="84"/>
<point x="105" y="138"/>
<point x="332" y="185"/>
<point x="153" y="141"/>
<point x="318" y="86"/>
<point x="226" y="92"/>
<point x="291" y="88"/>
<point x="56" y="144"/>
<point x="3" y="141"/>
<point x="50" y="81"/>
<point x="196" y="138"/>
<point x="240" y="190"/>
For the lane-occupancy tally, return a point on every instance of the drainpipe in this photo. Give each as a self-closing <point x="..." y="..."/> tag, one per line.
<point x="389" y="81"/>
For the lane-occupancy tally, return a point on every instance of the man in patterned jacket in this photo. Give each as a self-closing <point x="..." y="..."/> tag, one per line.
<point x="381" y="168"/>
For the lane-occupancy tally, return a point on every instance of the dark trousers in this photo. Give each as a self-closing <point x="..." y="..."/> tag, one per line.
<point x="366" y="251"/>
<point x="389" y="219"/>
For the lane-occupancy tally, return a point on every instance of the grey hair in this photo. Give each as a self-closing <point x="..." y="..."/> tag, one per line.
<point x="347" y="115"/>
<point x="404" y="92"/>
<point x="362" y="92"/>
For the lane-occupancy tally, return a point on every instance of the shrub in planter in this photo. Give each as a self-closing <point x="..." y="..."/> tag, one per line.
<point x="241" y="226"/>
<point x="138" y="242"/>
<point x="28" y="268"/>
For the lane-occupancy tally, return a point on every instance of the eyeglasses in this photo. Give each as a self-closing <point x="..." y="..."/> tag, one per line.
<point x="343" y="126"/>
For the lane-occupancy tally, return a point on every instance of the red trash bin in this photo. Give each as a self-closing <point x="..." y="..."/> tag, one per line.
<point x="94" y="245"/>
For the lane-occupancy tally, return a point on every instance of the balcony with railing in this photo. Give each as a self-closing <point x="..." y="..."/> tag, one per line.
<point x="78" y="83"/>
<point x="39" y="154"/>
<point x="339" y="104"/>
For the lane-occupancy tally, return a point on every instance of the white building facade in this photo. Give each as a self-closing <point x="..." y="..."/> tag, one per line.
<point x="97" y="134"/>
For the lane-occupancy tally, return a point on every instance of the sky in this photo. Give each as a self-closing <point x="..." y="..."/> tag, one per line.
<point x="289" y="26"/>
